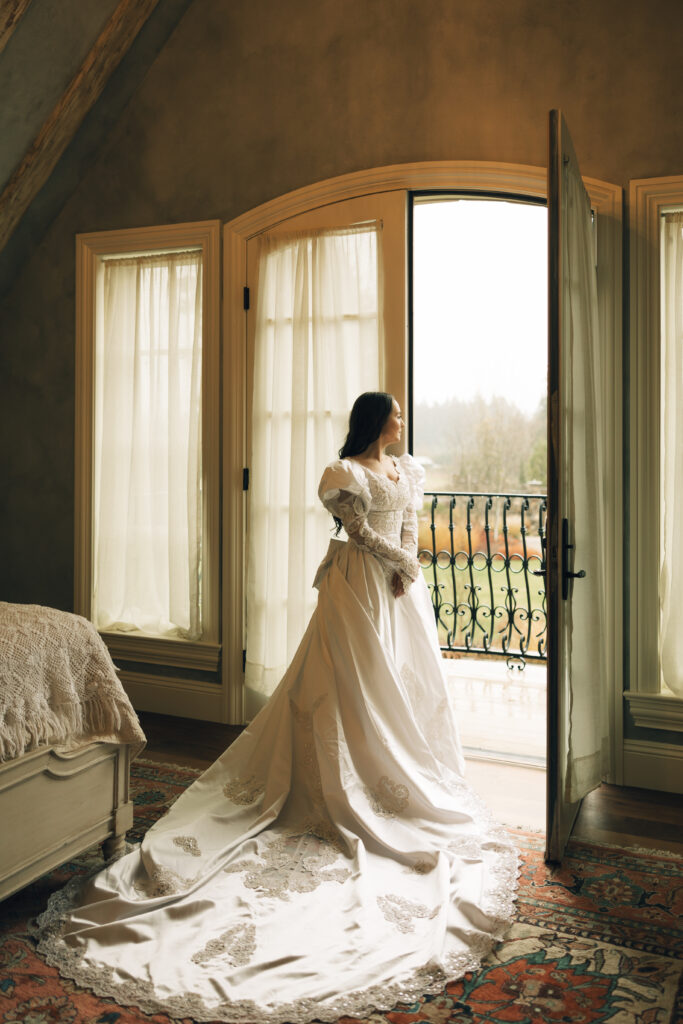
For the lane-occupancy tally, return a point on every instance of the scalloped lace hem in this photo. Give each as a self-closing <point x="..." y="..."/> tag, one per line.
<point x="427" y="980"/>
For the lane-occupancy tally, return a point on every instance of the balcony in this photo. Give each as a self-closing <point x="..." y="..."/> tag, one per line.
<point x="481" y="555"/>
<point x="482" y="558"/>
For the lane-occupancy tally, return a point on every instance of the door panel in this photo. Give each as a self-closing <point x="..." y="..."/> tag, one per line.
<point x="315" y="332"/>
<point x="575" y="550"/>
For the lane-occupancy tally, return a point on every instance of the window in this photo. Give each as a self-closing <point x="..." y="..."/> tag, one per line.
<point x="671" y="432"/>
<point x="655" y="696"/>
<point x="147" y="503"/>
<point x="147" y="474"/>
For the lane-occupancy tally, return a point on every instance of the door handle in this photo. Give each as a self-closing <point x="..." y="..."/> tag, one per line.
<point x="567" y="574"/>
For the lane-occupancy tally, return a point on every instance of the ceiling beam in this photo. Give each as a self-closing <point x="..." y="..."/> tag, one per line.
<point x="63" y="122"/>
<point x="11" y="12"/>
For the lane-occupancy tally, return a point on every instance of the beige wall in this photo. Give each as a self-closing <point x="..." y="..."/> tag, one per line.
<point x="252" y="98"/>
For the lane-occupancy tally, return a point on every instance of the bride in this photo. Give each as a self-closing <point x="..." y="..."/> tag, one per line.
<point x="333" y="861"/>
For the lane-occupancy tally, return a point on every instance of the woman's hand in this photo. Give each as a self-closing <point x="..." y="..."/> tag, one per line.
<point x="397" y="585"/>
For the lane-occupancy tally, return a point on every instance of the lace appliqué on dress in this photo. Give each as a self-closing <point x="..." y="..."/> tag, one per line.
<point x="467" y="847"/>
<point x="189" y="844"/>
<point x="420" y="867"/>
<point x="244" y="791"/>
<point x="402" y="912"/>
<point x="236" y="946"/>
<point x="388" y="798"/>
<point x="291" y="864"/>
<point x="161" y="881"/>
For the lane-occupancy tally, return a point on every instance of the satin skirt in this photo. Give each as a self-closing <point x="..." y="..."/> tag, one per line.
<point x="333" y="861"/>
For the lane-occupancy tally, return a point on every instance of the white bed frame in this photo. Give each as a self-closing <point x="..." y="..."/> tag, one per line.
<point x="56" y="804"/>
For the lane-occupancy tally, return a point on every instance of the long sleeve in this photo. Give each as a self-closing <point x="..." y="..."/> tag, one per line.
<point x="409" y="531"/>
<point x="416" y="476"/>
<point x="394" y="559"/>
<point x="345" y="493"/>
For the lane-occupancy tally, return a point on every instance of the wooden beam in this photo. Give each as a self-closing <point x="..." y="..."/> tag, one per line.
<point x="63" y="122"/>
<point x="11" y="12"/>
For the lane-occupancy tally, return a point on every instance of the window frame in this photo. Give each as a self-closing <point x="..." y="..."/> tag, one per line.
<point x="200" y="655"/>
<point x="648" y="199"/>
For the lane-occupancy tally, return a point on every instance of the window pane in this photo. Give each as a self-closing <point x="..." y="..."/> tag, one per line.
<point x="147" y="498"/>
<point x="671" y="465"/>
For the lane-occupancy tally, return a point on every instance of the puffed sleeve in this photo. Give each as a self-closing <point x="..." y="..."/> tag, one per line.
<point x="343" y="484"/>
<point x="345" y="493"/>
<point x="415" y="476"/>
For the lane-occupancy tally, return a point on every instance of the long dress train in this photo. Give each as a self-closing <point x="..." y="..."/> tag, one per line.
<point x="333" y="860"/>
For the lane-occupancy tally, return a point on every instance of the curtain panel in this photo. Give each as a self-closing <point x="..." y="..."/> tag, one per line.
<point x="148" y="445"/>
<point x="671" y="465"/>
<point x="584" y="378"/>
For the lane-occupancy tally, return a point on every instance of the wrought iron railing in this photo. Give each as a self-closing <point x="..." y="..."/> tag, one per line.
<point x="482" y="557"/>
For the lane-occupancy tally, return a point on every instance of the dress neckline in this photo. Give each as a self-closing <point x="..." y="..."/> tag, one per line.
<point x="383" y="476"/>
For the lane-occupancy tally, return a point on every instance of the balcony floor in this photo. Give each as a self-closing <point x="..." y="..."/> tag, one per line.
<point x="501" y="712"/>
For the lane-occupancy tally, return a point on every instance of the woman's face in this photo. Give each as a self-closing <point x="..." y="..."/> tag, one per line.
<point x="393" y="428"/>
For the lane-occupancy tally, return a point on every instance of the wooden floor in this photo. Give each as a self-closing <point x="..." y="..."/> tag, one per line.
<point x="516" y="794"/>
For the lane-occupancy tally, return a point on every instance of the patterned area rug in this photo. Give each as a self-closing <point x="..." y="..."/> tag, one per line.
<point x="596" y="940"/>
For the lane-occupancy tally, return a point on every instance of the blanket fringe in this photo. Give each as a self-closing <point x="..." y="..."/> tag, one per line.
<point x="95" y="716"/>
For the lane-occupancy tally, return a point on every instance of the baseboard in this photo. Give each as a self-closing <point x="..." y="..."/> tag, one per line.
<point x="182" y="698"/>
<point x="653" y="766"/>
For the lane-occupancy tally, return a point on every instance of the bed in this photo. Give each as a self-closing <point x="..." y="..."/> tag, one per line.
<point x="68" y="734"/>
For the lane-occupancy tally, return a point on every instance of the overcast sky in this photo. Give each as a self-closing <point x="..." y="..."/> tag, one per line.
<point x="480" y="301"/>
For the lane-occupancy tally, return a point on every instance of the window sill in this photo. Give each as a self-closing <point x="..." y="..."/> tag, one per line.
<point x="656" y="710"/>
<point x="152" y="650"/>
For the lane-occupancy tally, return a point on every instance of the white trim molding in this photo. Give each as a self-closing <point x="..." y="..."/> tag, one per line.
<point x="169" y="695"/>
<point x="653" y="766"/>
<point x="152" y="650"/>
<point x="656" y="710"/>
<point x="203" y="655"/>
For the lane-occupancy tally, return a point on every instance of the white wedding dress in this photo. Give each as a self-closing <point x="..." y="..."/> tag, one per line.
<point x="333" y="861"/>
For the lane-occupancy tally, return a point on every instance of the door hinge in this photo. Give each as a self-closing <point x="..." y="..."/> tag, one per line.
<point x="244" y="661"/>
<point x="246" y="297"/>
<point x="245" y="478"/>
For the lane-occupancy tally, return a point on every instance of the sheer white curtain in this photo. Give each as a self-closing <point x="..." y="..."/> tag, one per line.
<point x="318" y="345"/>
<point x="671" y="573"/>
<point x="147" y="495"/>
<point x="585" y="381"/>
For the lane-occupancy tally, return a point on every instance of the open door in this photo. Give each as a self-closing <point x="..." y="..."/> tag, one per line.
<point x="575" y="576"/>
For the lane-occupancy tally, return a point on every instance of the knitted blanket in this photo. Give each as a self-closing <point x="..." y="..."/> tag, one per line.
<point x="58" y="684"/>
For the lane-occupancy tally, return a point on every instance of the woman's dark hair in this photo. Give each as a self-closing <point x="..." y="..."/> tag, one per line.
<point x="370" y="412"/>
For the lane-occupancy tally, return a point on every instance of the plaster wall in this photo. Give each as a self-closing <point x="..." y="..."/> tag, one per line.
<point x="248" y="100"/>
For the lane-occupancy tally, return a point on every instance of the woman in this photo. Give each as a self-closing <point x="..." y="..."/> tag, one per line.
<point x="333" y="861"/>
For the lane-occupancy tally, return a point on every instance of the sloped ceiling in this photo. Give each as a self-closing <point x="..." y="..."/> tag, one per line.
<point x="43" y="55"/>
<point x="67" y="69"/>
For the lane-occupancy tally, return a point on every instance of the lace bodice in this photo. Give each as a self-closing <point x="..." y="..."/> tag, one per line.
<point x="389" y="500"/>
<point x="379" y="515"/>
